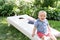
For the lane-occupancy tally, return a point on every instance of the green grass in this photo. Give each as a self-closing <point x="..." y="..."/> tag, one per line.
<point x="55" y="24"/>
<point x="11" y="33"/>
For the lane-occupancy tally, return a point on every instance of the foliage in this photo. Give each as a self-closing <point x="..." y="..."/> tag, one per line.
<point x="5" y="8"/>
<point x="18" y="7"/>
<point x="53" y="13"/>
<point x="45" y="3"/>
<point x="50" y="6"/>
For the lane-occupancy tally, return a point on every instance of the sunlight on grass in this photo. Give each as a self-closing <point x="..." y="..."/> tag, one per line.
<point x="3" y="20"/>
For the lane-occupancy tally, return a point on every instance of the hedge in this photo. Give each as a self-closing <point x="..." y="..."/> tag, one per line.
<point x="30" y="8"/>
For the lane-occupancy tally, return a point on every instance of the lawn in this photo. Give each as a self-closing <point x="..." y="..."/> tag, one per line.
<point x="11" y="33"/>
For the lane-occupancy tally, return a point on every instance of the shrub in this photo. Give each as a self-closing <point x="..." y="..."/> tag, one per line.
<point x="52" y="13"/>
<point x="6" y="8"/>
<point x="30" y="8"/>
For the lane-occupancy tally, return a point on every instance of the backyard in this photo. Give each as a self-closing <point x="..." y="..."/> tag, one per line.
<point x="11" y="33"/>
<point x="31" y="8"/>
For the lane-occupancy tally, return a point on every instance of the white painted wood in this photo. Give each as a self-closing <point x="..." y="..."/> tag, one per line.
<point x="23" y="26"/>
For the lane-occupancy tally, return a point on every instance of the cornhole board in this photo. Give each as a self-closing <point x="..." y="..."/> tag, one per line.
<point x="23" y="26"/>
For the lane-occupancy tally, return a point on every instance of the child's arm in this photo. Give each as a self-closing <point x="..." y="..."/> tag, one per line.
<point x="33" y="32"/>
<point x="49" y="28"/>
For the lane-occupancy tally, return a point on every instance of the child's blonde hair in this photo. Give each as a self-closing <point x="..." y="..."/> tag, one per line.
<point x="42" y="12"/>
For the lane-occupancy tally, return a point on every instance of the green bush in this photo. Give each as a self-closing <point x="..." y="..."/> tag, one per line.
<point x="5" y="8"/>
<point x="2" y="2"/>
<point x="30" y="8"/>
<point x="52" y="13"/>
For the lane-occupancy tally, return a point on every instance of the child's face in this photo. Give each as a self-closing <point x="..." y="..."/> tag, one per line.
<point x="42" y="16"/>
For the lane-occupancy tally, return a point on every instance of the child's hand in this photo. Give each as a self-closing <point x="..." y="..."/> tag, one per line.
<point x="33" y="34"/>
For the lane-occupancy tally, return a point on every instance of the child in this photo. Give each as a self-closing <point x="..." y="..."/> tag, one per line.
<point x="42" y="26"/>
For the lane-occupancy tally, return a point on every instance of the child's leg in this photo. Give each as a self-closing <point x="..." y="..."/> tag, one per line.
<point x="41" y="35"/>
<point x="52" y="37"/>
<point x="43" y="38"/>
